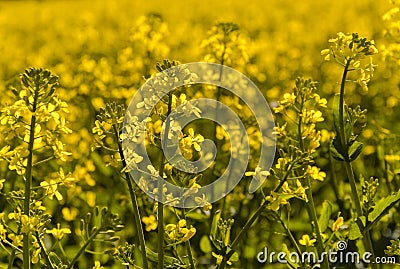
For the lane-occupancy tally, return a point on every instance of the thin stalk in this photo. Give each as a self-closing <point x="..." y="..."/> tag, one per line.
<point x="43" y="161"/>
<point x="314" y="219"/>
<point x="135" y="207"/>
<point x="242" y="232"/>
<point x="250" y="222"/>
<point x="46" y="255"/>
<point x="349" y="169"/>
<point x="343" y="142"/>
<point x="160" y="207"/>
<point x="160" y="214"/>
<point x="12" y="258"/>
<point x="388" y="185"/>
<point x="82" y="249"/>
<point x="214" y="135"/>
<point x="395" y="181"/>
<point x="5" y="249"/>
<point x="190" y="255"/>
<point x="310" y="204"/>
<point x="136" y="215"/>
<point x="61" y="248"/>
<point x="188" y="247"/>
<point x="289" y="234"/>
<point x="28" y="178"/>
<point x="341" y="114"/>
<point x="367" y="237"/>
<point x="334" y="185"/>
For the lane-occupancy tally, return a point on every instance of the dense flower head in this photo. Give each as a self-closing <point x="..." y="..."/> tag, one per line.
<point x="225" y="45"/>
<point x="355" y="53"/>
<point x="304" y="103"/>
<point x="150" y="31"/>
<point x="180" y="232"/>
<point x="347" y="47"/>
<point x="35" y="97"/>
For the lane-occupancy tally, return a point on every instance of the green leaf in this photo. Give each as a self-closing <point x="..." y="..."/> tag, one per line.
<point x="382" y="205"/>
<point x="169" y="262"/>
<point x="354" y="231"/>
<point x="214" y="224"/>
<point x="205" y="244"/>
<point x="336" y="149"/>
<point x="336" y="118"/>
<point x="197" y="216"/>
<point x="355" y="150"/>
<point x="325" y="215"/>
<point x="55" y="260"/>
<point x="234" y="257"/>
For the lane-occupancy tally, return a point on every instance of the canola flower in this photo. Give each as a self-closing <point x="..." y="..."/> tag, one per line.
<point x="355" y="52"/>
<point x="307" y="241"/>
<point x="100" y="66"/>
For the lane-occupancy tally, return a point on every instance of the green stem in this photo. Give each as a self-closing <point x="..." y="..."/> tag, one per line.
<point x="46" y="255"/>
<point x="189" y="252"/>
<point x="82" y="249"/>
<point x="242" y="232"/>
<point x="61" y="248"/>
<point x="160" y="207"/>
<point x="160" y="214"/>
<point x="334" y="183"/>
<point x="343" y="142"/>
<point x="44" y="160"/>
<point x="136" y="215"/>
<point x="367" y="237"/>
<point x="349" y="169"/>
<point x="188" y="247"/>
<point x="343" y="139"/>
<point x="135" y="207"/>
<point x="250" y="222"/>
<point x="314" y="219"/>
<point x="214" y="134"/>
<point x="388" y="185"/>
<point x="28" y="178"/>
<point x="310" y="204"/>
<point x="12" y="258"/>
<point x="289" y="234"/>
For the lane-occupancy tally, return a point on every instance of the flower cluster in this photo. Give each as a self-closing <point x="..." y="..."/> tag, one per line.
<point x="391" y="51"/>
<point x="35" y="98"/>
<point x="351" y="50"/>
<point x="179" y="232"/>
<point x="303" y="103"/>
<point x="225" y="45"/>
<point x="150" y="31"/>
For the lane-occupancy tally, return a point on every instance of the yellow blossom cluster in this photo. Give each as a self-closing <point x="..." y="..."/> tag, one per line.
<point x="225" y="45"/>
<point x="103" y="58"/>
<point x="180" y="232"/>
<point x="351" y="50"/>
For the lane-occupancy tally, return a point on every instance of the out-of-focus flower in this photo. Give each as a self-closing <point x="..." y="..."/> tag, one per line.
<point x="59" y="232"/>
<point x="307" y="241"/>
<point x="150" y="223"/>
